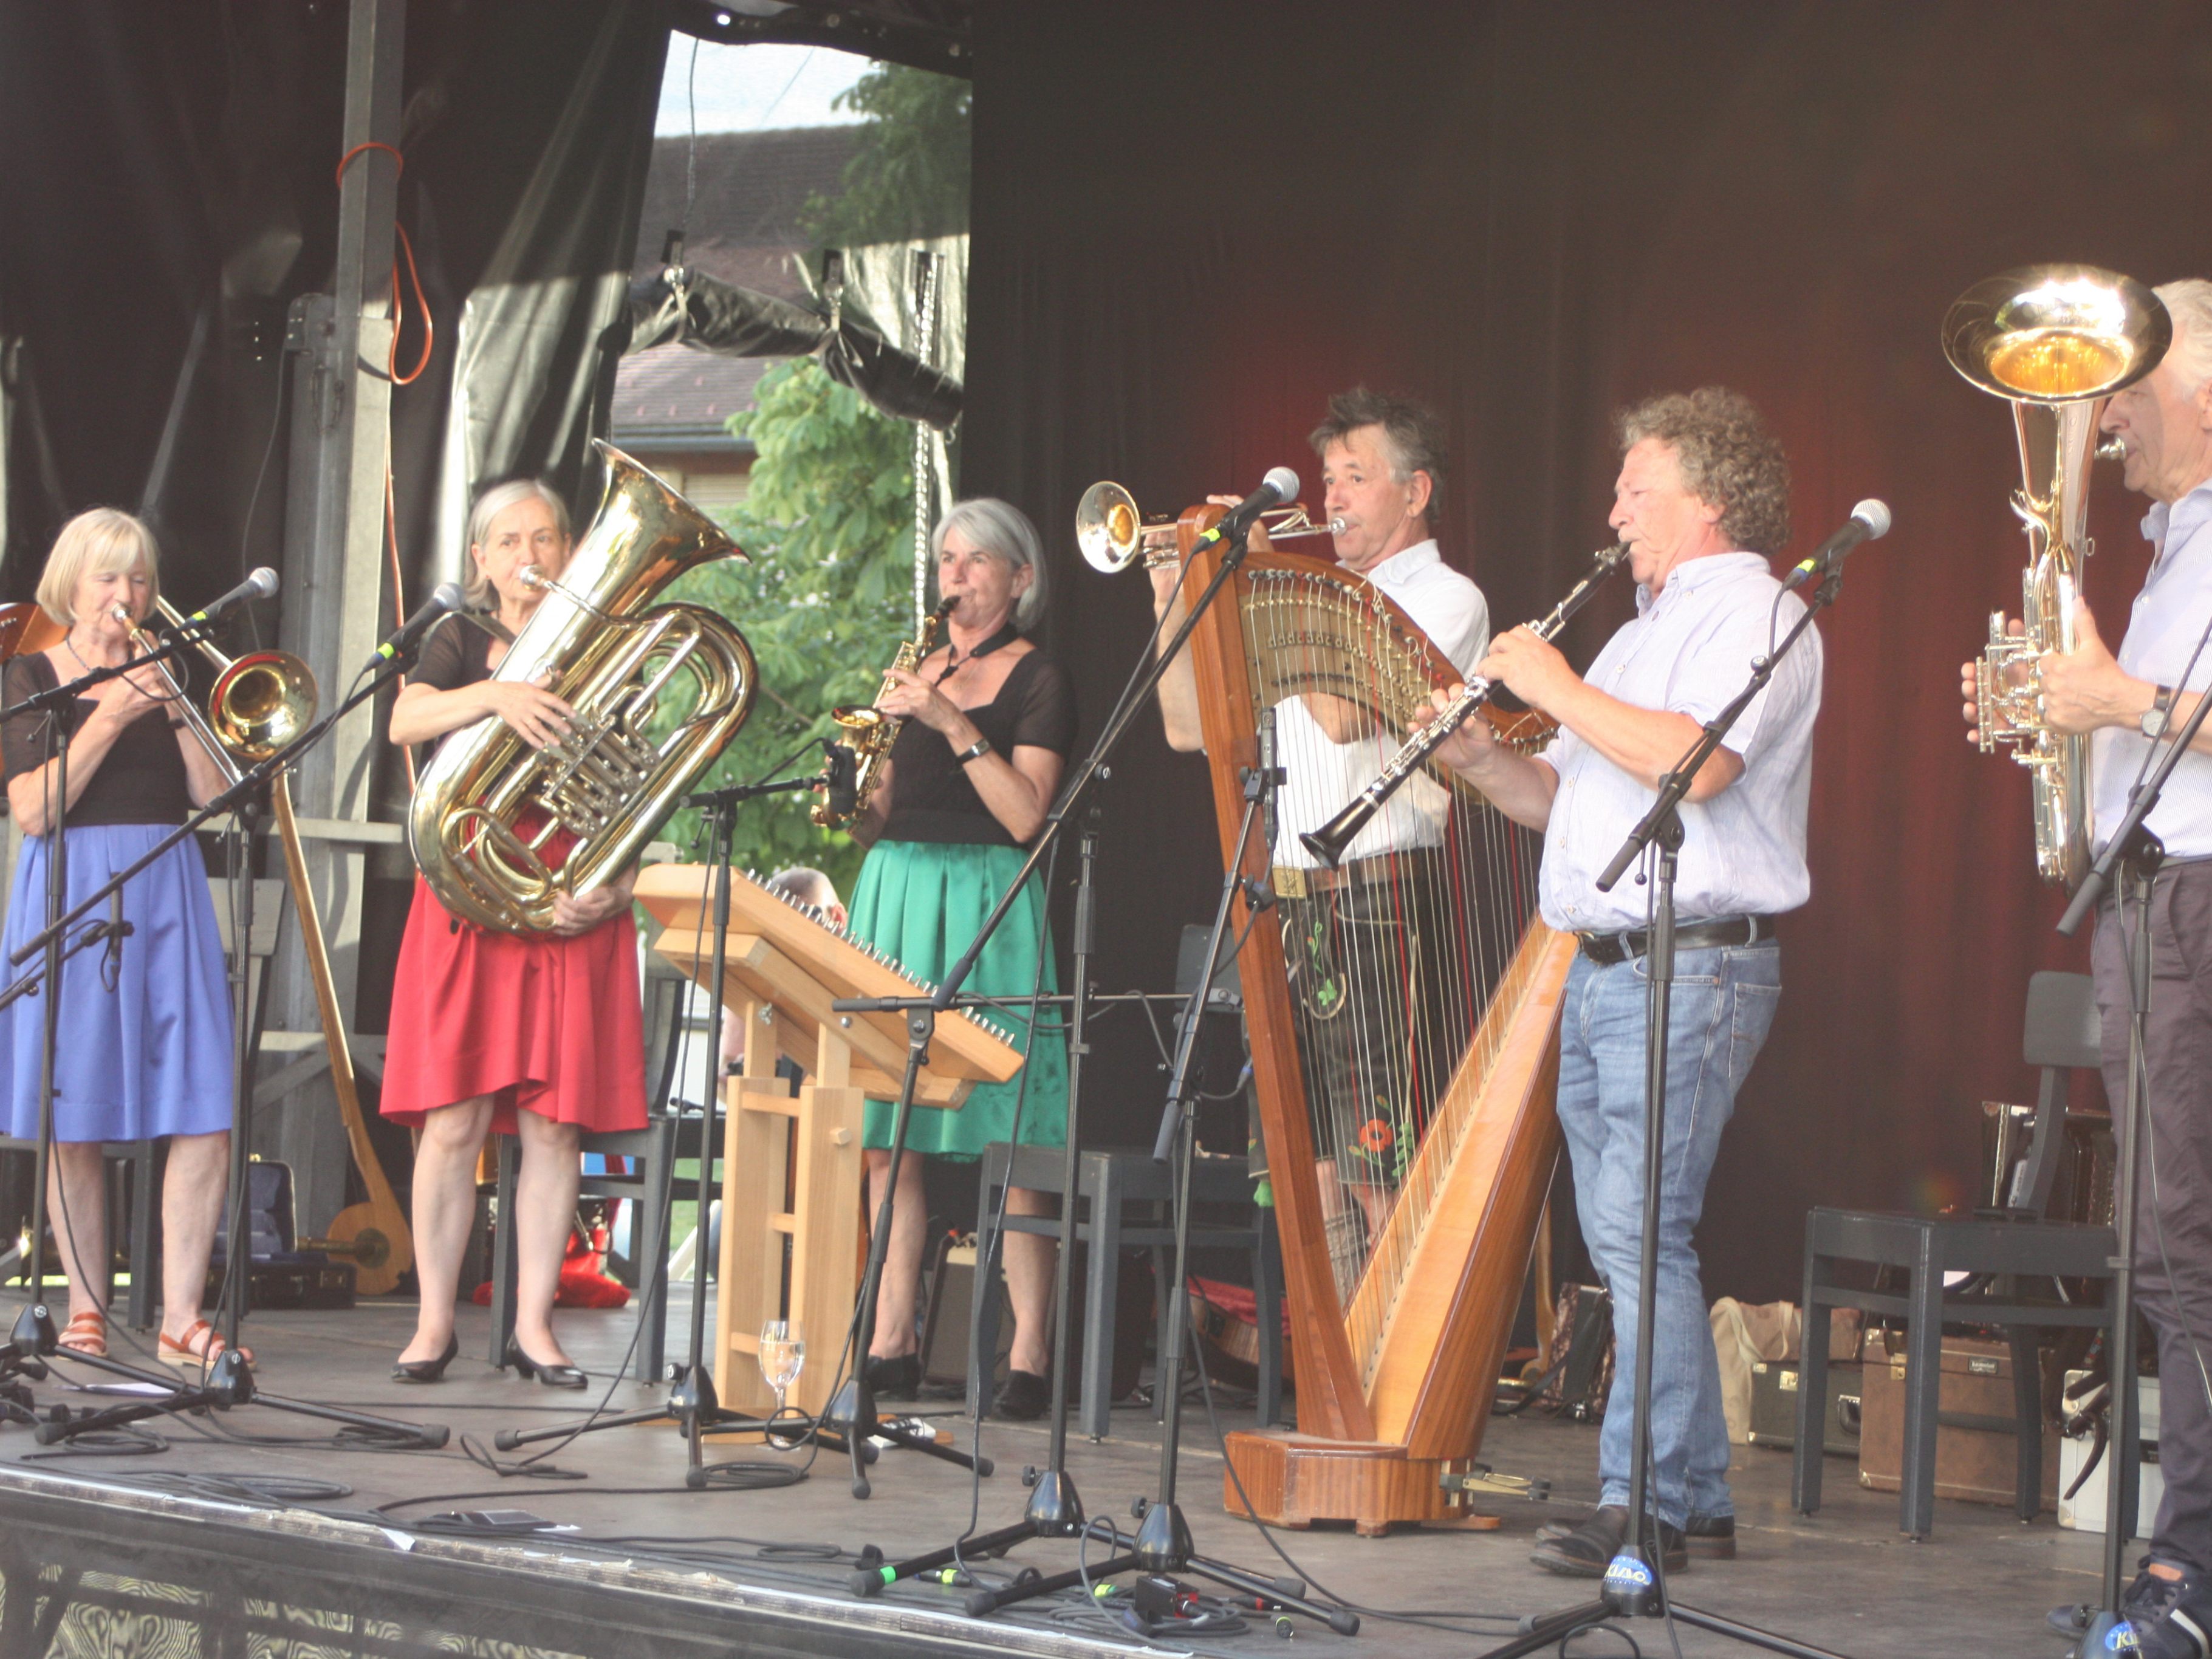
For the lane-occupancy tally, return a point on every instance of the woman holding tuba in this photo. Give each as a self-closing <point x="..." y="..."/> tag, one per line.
<point x="988" y="719"/>
<point x="143" y="1048"/>
<point x="538" y="1036"/>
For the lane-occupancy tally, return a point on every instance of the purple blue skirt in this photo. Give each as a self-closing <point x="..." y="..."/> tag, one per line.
<point x="144" y="1046"/>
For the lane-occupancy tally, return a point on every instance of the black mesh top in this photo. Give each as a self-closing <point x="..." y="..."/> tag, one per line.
<point x="140" y="781"/>
<point x="457" y="654"/>
<point x="931" y="799"/>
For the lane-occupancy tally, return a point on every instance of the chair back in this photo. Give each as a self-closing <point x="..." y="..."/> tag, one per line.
<point x="2062" y="1035"/>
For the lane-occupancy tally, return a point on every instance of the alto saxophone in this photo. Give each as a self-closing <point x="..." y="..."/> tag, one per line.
<point x="870" y="732"/>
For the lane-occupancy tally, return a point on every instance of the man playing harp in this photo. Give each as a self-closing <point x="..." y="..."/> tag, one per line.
<point x="1380" y="1020"/>
<point x="1702" y="499"/>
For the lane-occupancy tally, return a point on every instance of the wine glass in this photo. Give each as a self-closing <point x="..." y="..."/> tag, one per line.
<point x="783" y="1356"/>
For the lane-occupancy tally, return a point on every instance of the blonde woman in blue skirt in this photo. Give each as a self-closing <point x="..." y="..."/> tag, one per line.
<point x="144" y="1049"/>
<point x="990" y="720"/>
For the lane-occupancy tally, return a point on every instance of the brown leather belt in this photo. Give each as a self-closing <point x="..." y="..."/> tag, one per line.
<point x="1606" y="949"/>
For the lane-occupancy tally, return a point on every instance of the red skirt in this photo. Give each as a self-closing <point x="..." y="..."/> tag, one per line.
<point x="552" y="1025"/>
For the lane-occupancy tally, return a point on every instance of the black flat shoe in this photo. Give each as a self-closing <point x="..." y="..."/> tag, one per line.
<point x="1707" y="1537"/>
<point x="1023" y="1397"/>
<point x="898" y="1377"/>
<point x="551" y="1376"/>
<point x="427" y="1371"/>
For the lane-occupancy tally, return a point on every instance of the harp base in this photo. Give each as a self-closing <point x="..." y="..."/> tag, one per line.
<point x="1296" y="1482"/>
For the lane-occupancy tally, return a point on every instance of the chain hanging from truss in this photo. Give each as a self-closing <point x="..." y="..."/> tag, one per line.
<point x="925" y="448"/>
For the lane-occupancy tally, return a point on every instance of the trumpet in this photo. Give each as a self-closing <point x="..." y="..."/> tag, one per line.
<point x="259" y="701"/>
<point x="1114" y="536"/>
<point x="1328" y="843"/>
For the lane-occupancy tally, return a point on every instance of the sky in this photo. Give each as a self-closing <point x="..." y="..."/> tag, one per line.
<point x="745" y="88"/>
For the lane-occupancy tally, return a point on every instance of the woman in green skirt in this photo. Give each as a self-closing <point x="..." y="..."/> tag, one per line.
<point x="990" y="719"/>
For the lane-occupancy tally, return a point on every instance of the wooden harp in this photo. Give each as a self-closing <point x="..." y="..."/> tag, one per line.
<point x="1403" y="1018"/>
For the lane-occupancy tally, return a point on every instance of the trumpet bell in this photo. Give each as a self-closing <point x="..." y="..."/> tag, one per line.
<point x="1108" y="529"/>
<point x="2054" y="334"/>
<point x="260" y="702"/>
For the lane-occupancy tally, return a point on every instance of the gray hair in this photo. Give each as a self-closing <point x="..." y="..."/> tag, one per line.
<point x="1411" y="432"/>
<point x="493" y="502"/>
<point x="1001" y="528"/>
<point x="93" y="543"/>
<point x="2189" y="300"/>
<point x="805" y="884"/>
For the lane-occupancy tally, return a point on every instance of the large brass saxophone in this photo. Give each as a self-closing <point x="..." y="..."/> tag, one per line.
<point x="493" y="817"/>
<point x="2054" y="341"/>
<point x="870" y="732"/>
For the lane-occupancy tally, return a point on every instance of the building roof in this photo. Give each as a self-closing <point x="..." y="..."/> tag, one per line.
<point x="677" y="397"/>
<point x="752" y="188"/>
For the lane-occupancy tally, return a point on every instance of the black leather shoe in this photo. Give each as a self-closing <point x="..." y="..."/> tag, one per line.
<point x="1707" y="1538"/>
<point x="1023" y="1397"/>
<point x="1587" y="1551"/>
<point x="898" y="1377"/>
<point x="551" y="1376"/>
<point x="427" y="1371"/>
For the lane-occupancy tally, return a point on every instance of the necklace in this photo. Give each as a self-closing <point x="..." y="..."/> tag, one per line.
<point x="954" y="661"/>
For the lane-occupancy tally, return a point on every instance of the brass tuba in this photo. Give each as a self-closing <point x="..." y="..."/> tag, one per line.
<point x="2055" y="341"/>
<point x="493" y="817"/>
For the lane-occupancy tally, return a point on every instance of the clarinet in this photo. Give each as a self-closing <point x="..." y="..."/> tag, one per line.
<point x="1328" y="843"/>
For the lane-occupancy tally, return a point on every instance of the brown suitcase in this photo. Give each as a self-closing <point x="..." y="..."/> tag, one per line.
<point x="1977" y="1450"/>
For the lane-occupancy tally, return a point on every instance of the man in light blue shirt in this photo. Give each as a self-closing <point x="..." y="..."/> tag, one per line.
<point x="2165" y="423"/>
<point x="1702" y="499"/>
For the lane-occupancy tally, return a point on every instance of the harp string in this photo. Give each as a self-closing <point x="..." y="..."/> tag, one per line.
<point x="1394" y="959"/>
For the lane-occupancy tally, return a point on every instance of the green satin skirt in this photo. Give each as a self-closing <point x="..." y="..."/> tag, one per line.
<point x="921" y="903"/>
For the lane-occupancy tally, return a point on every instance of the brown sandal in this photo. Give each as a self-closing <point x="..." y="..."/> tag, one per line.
<point x="86" y="1333"/>
<point x="200" y="1348"/>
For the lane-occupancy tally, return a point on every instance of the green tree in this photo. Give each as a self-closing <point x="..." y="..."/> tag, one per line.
<point x="828" y="520"/>
<point x="908" y="178"/>
<point x="824" y="602"/>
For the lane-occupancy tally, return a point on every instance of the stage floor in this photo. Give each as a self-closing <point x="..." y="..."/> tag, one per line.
<point x="82" y="1524"/>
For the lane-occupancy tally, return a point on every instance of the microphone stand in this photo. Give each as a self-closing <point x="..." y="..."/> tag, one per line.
<point x="2136" y="854"/>
<point x="692" y="1401"/>
<point x="1635" y="1583"/>
<point x="228" y="1382"/>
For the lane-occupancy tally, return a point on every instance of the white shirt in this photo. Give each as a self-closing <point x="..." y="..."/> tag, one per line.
<point x="1323" y="776"/>
<point x="1690" y="651"/>
<point x="2163" y="629"/>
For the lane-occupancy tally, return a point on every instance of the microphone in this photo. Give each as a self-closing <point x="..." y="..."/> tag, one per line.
<point x="841" y="783"/>
<point x="1869" y="521"/>
<point x="444" y="598"/>
<point x="261" y="585"/>
<point x="1279" y="486"/>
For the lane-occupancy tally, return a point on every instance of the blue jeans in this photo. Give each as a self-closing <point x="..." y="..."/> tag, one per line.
<point x="1722" y="1005"/>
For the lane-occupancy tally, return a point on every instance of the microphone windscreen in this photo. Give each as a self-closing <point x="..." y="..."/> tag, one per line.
<point x="264" y="582"/>
<point x="1283" y="482"/>
<point x="447" y="596"/>
<point x="1875" y="515"/>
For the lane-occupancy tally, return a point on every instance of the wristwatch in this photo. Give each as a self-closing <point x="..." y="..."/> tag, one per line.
<point x="975" y="751"/>
<point x="2156" y="718"/>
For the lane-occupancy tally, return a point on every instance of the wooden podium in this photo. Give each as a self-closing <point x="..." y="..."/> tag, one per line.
<point x="792" y="1178"/>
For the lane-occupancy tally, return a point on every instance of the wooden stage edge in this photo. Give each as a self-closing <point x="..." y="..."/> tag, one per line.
<point x="254" y="1532"/>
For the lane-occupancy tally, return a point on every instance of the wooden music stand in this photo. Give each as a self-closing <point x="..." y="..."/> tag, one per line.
<point x="783" y="966"/>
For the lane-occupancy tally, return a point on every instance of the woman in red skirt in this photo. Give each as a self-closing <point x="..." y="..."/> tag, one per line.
<point x="538" y="1036"/>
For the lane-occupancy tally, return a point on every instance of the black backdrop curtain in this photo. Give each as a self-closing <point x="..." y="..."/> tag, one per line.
<point x="1191" y="223"/>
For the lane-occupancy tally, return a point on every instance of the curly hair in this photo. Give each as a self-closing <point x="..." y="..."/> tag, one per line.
<point x="1728" y="457"/>
<point x="1411" y="432"/>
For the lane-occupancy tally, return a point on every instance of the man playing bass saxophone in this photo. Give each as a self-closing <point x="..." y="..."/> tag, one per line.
<point x="1703" y="497"/>
<point x="1381" y="467"/>
<point x="2164" y="423"/>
